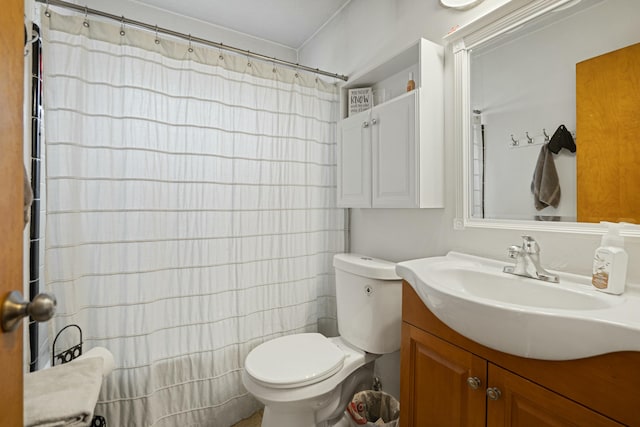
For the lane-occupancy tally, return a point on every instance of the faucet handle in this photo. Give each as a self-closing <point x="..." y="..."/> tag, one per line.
<point x="514" y="251"/>
<point x="529" y="245"/>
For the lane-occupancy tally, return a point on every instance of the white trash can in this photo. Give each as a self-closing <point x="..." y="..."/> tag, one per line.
<point x="374" y="409"/>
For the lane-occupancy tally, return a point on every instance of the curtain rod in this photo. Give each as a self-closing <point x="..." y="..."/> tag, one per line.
<point x="160" y="30"/>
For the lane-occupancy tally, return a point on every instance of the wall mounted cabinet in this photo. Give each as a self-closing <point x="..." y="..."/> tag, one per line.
<point x="391" y="156"/>
<point x="449" y="380"/>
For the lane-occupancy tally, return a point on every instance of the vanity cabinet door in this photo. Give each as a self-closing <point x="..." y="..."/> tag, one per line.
<point x="354" y="161"/>
<point x="437" y="387"/>
<point x="394" y="145"/>
<point x="522" y="403"/>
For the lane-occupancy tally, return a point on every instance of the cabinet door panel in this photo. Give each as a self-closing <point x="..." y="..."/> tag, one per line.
<point x="525" y="404"/>
<point x="354" y="162"/>
<point x="394" y="153"/>
<point x="434" y="389"/>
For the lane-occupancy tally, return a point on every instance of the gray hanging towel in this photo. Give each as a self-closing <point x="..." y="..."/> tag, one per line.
<point x="545" y="185"/>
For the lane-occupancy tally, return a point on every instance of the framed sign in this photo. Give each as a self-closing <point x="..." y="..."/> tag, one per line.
<point x="360" y="99"/>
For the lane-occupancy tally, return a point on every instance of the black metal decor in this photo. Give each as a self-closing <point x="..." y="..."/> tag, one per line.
<point x="98" y="421"/>
<point x="70" y="353"/>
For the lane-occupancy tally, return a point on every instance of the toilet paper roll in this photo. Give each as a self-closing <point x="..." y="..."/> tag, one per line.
<point x="107" y="359"/>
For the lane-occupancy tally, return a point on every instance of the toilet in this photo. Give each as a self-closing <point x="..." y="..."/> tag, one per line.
<point x="306" y="380"/>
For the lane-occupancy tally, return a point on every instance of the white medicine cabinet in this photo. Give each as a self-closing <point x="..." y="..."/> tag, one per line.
<point x="391" y="155"/>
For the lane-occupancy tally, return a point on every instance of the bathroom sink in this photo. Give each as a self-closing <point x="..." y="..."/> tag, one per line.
<point x="509" y="289"/>
<point x="523" y="316"/>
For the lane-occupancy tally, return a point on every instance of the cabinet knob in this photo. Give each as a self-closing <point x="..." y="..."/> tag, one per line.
<point x="474" y="382"/>
<point x="365" y="124"/>
<point x="493" y="393"/>
<point x="374" y="121"/>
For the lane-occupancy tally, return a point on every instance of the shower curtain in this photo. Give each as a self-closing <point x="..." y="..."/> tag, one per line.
<point x="190" y="213"/>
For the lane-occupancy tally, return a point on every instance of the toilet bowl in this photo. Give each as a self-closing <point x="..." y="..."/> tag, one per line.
<point x="306" y="380"/>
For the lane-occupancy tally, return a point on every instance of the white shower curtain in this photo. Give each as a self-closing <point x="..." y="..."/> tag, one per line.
<point x="190" y="214"/>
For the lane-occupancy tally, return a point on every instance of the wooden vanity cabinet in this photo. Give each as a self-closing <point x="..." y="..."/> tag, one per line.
<point x="445" y="377"/>
<point x="434" y="389"/>
<point x="524" y="403"/>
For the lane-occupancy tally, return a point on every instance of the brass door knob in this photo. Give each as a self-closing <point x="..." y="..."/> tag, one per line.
<point x="14" y="308"/>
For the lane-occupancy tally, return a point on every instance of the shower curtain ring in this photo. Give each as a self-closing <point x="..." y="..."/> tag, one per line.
<point x="249" y="58"/>
<point x="46" y="10"/>
<point x="157" y="40"/>
<point x="190" y="48"/>
<point x="220" y="55"/>
<point x="86" y="20"/>
<point x="296" y="74"/>
<point x="122" y="33"/>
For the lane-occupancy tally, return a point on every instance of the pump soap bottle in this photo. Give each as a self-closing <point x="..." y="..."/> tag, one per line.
<point x="610" y="262"/>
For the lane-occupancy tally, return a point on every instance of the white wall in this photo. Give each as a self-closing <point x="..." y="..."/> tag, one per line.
<point x="364" y="28"/>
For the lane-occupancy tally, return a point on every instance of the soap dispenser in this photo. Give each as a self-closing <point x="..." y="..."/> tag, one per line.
<point x="610" y="261"/>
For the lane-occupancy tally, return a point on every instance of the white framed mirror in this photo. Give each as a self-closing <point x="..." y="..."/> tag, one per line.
<point x="521" y="72"/>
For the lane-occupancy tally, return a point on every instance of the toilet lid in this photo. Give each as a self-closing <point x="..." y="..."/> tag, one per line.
<point x="294" y="360"/>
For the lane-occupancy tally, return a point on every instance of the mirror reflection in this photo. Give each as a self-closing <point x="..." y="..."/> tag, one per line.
<point x="571" y="76"/>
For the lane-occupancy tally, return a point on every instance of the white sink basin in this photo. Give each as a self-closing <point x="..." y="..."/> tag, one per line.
<point x="522" y="316"/>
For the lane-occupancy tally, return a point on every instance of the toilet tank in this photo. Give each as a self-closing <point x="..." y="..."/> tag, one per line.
<point x="369" y="301"/>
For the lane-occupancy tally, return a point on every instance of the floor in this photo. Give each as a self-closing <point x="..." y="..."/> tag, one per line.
<point x="253" y="421"/>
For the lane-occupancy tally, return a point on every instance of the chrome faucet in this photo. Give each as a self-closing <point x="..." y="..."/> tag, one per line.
<point x="527" y="261"/>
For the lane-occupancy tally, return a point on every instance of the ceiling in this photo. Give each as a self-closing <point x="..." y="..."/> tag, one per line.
<point x="286" y="22"/>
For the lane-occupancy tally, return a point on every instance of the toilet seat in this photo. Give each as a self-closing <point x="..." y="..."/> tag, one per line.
<point x="294" y="361"/>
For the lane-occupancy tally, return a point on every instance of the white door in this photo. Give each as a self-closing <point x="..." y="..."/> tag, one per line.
<point x="354" y="161"/>
<point x="394" y="153"/>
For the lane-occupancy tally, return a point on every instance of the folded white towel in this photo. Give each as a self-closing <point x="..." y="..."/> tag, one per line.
<point x="107" y="359"/>
<point x="64" y="395"/>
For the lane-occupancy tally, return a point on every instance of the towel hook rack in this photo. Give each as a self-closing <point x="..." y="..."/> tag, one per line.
<point x="529" y="139"/>
<point x="514" y="142"/>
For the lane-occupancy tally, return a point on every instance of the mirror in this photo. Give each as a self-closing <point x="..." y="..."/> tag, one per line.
<point x="520" y="76"/>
